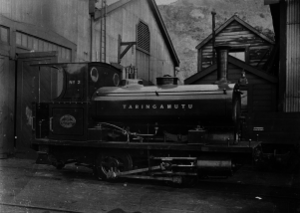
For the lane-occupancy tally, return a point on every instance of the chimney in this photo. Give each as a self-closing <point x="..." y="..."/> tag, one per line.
<point x="222" y="64"/>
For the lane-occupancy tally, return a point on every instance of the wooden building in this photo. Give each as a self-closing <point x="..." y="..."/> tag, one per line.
<point x="125" y="33"/>
<point x="254" y="54"/>
<point x="247" y="44"/>
<point x="273" y="78"/>
<point x="261" y="86"/>
<point x="250" y="52"/>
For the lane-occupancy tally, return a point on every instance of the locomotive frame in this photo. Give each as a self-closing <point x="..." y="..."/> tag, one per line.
<point x="71" y="127"/>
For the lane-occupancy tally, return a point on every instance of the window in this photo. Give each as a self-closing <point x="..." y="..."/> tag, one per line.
<point x="39" y="45"/>
<point x="4" y="34"/>
<point x="143" y="37"/>
<point x="238" y="54"/>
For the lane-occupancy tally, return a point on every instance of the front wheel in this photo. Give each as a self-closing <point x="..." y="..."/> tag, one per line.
<point x="109" y="164"/>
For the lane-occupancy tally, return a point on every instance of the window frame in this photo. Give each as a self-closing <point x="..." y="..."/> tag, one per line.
<point x="243" y="48"/>
<point x="7" y="34"/>
<point x="137" y="36"/>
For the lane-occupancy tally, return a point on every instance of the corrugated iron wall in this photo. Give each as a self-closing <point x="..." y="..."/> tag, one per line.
<point x="292" y="96"/>
<point x="53" y="23"/>
<point x="52" y="14"/>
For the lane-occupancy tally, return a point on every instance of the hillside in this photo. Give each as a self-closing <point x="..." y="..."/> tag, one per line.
<point x="190" y="21"/>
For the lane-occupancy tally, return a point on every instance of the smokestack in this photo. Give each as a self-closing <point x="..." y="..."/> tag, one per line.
<point x="222" y="64"/>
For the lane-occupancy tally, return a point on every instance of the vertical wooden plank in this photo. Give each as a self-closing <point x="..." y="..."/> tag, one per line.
<point x="200" y="60"/>
<point x="46" y="47"/>
<point x="41" y="45"/>
<point x="27" y="92"/>
<point x="35" y="44"/>
<point x="247" y="54"/>
<point x="2" y="105"/>
<point x="11" y="86"/>
<point x="6" y="107"/>
<point x="30" y="42"/>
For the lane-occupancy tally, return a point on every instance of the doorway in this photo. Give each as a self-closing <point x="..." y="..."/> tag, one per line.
<point x="30" y="87"/>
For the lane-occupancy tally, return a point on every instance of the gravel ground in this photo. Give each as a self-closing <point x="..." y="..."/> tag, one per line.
<point x="29" y="187"/>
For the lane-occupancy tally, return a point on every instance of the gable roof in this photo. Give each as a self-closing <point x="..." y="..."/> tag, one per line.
<point x="228" y="22"/>
<point x="154" y="8"/>
<point x="194" y="78"/>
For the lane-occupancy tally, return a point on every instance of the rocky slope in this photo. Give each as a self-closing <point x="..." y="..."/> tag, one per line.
<point x="190" y="21"/>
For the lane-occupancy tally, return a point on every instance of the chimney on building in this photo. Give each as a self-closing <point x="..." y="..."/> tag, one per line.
<point x="222" y="64"/>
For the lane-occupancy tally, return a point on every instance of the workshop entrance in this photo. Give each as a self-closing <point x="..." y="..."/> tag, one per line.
<point x="30" y="87"/>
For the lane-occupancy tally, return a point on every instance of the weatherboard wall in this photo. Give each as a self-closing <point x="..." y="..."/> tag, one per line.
<point x="237" y="36"/>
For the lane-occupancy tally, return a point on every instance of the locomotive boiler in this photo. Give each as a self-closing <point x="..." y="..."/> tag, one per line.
<point x="121" y="128"/>
<point x="169" y="111"/>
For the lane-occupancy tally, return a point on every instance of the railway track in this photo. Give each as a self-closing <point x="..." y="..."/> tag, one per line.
<point x="236" y="189"/>
<point x="43" y="208"/>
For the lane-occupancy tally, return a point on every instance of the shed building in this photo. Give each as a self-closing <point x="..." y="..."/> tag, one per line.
<point x="247" y="44"/>
<point x="252" y="53"/>
<point x="249" y="52"/>
<point x="132" y="33"/>
<point x="40" y="31"/>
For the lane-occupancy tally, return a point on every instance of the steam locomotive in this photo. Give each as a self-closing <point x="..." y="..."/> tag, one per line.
<point x="121" y="128"/>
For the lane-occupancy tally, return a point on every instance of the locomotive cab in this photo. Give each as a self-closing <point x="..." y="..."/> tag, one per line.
<point x="67" y="116"/>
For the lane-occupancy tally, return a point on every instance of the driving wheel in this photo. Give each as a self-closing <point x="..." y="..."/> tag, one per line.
<point x="109" y="164"/>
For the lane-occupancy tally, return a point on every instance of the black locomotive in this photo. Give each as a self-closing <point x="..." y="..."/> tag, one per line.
<point x="121" y="128"/>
